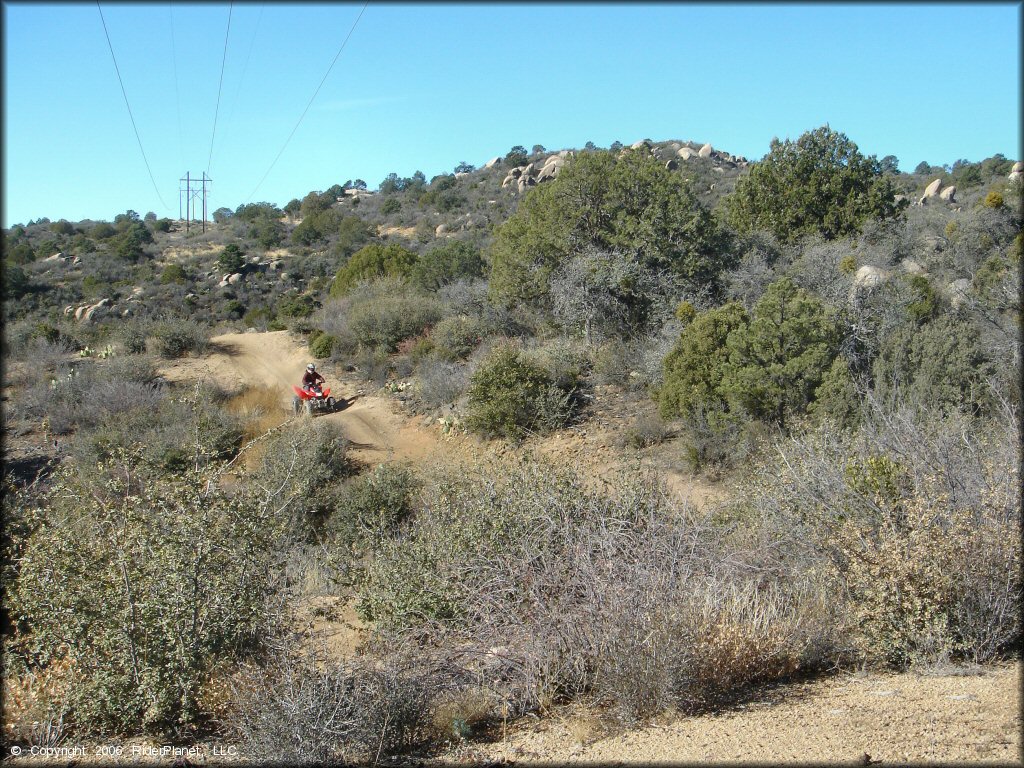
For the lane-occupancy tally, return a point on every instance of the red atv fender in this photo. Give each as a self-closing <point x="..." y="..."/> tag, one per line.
<point x="307" y="394"/>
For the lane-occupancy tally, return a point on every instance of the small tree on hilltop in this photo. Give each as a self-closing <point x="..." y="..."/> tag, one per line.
<point x="820" y="183"/>
<point x="516" y="156"/>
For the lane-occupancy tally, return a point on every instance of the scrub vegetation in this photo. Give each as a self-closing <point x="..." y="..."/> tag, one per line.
<point x="847" y="357"/>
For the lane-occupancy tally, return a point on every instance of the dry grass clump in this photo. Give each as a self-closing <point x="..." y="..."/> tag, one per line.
<point x="308" y="711"/>
<point x="260" y="409"/>
<point x="34" y="708"/>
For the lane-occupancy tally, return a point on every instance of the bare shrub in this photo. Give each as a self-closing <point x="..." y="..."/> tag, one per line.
<point x="751" y="277"/>
<point x="645" y="431"/>
<point x="34" y="708"/>
<point x="914" y="520"/>
<point x="87" y="393"/>
<point x="305" y="711"/>
<point x="524" y="576"/>
<point x="818" y="269"/>
<point x="602" y="294"/>
<point x="373" y="364"/>
<point x="440" y="383"/>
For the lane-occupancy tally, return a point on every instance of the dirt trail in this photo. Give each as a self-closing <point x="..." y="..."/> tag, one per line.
<point x="276" y="360"/>
<point x="850" y="718"/>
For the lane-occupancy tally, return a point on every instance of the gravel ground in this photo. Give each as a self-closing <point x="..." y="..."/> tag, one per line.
<point x="850" y="718"/>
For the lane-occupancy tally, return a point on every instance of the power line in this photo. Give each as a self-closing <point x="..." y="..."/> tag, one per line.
<point x="220" y="86"/>
<point x="177" y="95"/>
<point x="245" y="67"/>
<point x="336" y="56"/>
<point x="125" y="94"/>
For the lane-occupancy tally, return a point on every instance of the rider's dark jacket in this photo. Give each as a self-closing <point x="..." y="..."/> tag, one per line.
<point x="309" y="378"/>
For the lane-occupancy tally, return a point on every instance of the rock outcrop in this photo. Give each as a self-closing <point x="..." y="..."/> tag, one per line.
<point x="529" y="175"/>
<point x="931" y="190"/>
<point x="865" y="280"/>
<point x="88" y="312"/>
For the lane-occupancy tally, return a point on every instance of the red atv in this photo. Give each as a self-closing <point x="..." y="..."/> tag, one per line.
<point x="313" y="400"/>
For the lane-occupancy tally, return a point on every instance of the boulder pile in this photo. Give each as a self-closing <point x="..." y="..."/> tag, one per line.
<point x="530" y="175"/>
<point x="935" y="189"/>
<point x="86" y="313"/>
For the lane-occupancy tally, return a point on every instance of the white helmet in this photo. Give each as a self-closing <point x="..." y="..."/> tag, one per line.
<point x="310" y="367"/>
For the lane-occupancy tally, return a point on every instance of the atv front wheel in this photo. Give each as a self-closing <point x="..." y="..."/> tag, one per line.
<point x="330" y="404"/>
<point x="296" y="404"/>
<point x="309" y="407"/>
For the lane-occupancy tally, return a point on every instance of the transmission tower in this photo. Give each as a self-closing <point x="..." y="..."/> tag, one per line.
<point x="192" y="190"/>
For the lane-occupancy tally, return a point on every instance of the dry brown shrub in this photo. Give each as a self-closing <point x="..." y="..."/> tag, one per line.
<point x="915" y="522"/>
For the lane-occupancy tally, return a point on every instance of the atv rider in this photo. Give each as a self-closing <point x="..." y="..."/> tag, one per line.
<point x="311" y="380"/>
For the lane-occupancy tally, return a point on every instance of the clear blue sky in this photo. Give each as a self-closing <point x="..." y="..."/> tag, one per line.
<point x="425" y="86"/>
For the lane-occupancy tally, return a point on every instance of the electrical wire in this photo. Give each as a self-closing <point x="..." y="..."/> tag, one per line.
<point x="177" y="94"/>
<point x="130" y="115"/>
<point x="220" y="87"/>
<point x="245" y="67"/>
<point x="328" y="72"/>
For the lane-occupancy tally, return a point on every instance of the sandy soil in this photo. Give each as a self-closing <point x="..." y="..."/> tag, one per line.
<point x="276" y="360"/>
<point x="850" y="718"/>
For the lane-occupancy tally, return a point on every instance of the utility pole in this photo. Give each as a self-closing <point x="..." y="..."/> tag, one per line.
<point x="191" y="192"/>
<point x="204" y="199"/>
<point x="188" y="199"/>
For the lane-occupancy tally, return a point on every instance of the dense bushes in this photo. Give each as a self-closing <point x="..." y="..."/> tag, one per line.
<point x="373" y="261"/>
<point x="88" y="393"/>
<point x="914" y="520"/>
<point x="561" y="592"/>
<point x="939" y="366"/>
<point x="510" y="397"/>
<point x="380" y="313"/>
<point x="767" y="365"/>
<point x="630" y="205"/>
<point x="391" y="319"/>
<point x="136" y="587"/>
<point x="322" y="346"/>
<point x="177" y="338"/>
<point x="456" y="336"/>
<point x="820" y="183"/>
<point x="305" y="466"/>
<point x="445" y="264"/>
<point x="371" y="507"/>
